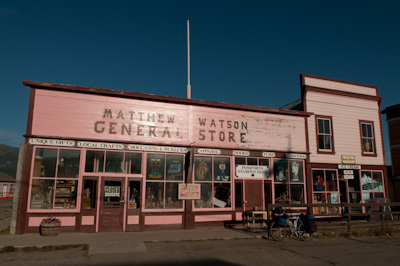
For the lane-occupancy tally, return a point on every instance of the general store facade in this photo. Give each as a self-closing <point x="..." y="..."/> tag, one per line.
<point x="104" y="160"/>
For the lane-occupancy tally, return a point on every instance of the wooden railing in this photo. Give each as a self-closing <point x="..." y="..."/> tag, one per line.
<point x="349" y="214"/>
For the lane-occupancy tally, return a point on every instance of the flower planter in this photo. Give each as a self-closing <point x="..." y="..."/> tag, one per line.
<point x="49" y="229"/>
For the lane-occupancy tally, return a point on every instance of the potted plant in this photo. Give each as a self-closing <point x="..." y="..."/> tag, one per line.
<point x="50" y="226"/>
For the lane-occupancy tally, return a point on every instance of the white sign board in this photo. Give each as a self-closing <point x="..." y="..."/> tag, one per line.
<point x="209" y="151"/>
<point x="252" y="171"/>
<point x="348" y="176"/>
<point x="241" y="153"/>
<point x="348" y="172"/>
<point x="100" y="145"/>
<point x="268" y="154"/>
<point x="112" y="191"/>
<point x="189" y="191"/>
<point x="349" y="166"/>
<point x="134" y="147"/>
<point x="52" y="142"/>
<point x="296" y="156"/>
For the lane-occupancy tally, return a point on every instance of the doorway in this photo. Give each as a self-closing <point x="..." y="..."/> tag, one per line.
<point x="112" y="202"/>
<point x="253" y="196"/>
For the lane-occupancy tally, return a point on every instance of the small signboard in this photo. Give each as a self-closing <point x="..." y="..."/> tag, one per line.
<point x="241" y="153"/>
<point x="348" y="159"/>
<point x="268" y="154"/>
<point x="348" y="176"/>
<point x="52" y="142"/>
<point x="112" y="191"/>
<point x="349" y="166"/>
<point x="348" y="172"/>
<point x="296" y="156"/>
<point x="189" y="191"/>
<point x="252" y="171"/>
<point x="209" y="151"/>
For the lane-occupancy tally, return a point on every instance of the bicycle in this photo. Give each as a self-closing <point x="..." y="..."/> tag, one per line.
<point x="282" y="225"/>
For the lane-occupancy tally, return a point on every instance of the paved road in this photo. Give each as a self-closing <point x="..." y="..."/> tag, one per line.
<point x="326" y="251"/>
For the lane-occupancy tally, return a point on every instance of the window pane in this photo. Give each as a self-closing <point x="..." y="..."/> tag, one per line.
<point x="377" y="181"/>
<point x="89" y="194"/>
<point x="133" y="162"/>
<point x="366" y="181"/>
<point x="318" y="180"/>
<point x="221" y="169"/>
<point x="174" y="167"/>
<point x="364" y="130"/>
<point x="252" y="161"/>
<point x="333" y="199"/>
<point x="321" y="143"/>
<point x="154" y="195"/>
<point x="367" y="145"/>
<point x="134" y="194"/>
<point x="94" y="161"/>
<point x="264" y="162"/>
<point x="68" y="163"/>
<point x="42" y="194"/>
<point x="267" y="193"/>
<point x="327" y="126"/>
<point x="45" y="163"/>
<point x="331" y="181"/>
<point x="114" y="162"/>
<point x="203" y="168"/>
<point x="206" y="196"/>
<point x="222" y="195"/>
<point x="112" y="194"/>
<point x="65" y="194"/>
<point x="296" y="171"/>
<point x="240" y="161"/>
<point x="281" y="193"/>
<point x="171" y="194"/>
<point x="327" y="142"/>
<point x="238" y="195"/>
<point x="297" y="194"/>
<point x="320" y="126"/>
<point x="369" y="130"/>
<point x="155" y="166"/>
<point x="354" y="184"/>
<point x="320" y="198"/>
<point x="280" y="170"/>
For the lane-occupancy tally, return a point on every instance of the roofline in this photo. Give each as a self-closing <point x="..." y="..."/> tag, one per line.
<point x="152" y="97"/>
<point x="336" y="80"/>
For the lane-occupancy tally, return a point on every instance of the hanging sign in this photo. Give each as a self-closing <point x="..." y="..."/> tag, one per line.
<point x="112" y="191"/>
<point x="252" y="171"/>
<point x="348" y="172"/>
<point x="268" y="154"/>
<point x="209" y="151"/>
<point x="295" y="156"/>
<point x="241" y="153"/>
<point x="348" y="176"/>
<point x="349" y="166"/>
<point x="134" y="147"/>
<point x="188" y="191"/>
<point x="52" y="142"/>
<point x="348" y="159"/>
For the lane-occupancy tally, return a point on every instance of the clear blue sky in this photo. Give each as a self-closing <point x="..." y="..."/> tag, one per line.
<point x="246" y="52"/>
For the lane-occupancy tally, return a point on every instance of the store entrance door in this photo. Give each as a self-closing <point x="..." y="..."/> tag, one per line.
<point x="112" y="204"/>
<point x="253" y="196"/>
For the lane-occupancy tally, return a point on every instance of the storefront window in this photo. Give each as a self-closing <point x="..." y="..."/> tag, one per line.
<point x="213" y="174"/>
<point x="289" y="181"/>
<point x="113" y="162"/>
<point x="325" y="186"/>
<point x="372" y="185"/>
<point x="133" y="163"/>
<point x="89" y="194"/>
<point x="58" y="190"/>
<point x="162" y="189"/>
<point x="134" y="194"/>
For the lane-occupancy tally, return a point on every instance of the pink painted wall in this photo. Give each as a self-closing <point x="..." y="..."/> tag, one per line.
<point x="160" y="220"/>
<point x="65" y="220"/>
<point x="213" y="218"/>
<point x="346" y="113"/>
<point x="339" y="86"/>
<point x="73" y="115"/>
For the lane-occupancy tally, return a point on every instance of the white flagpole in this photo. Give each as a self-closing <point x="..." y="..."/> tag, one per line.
<point x="188" y="87"/>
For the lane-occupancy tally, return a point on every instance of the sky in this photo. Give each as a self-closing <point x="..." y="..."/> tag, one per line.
<point x="242" y="52"/>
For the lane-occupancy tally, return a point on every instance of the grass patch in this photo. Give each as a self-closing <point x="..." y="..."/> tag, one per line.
<point x="8" y="249"/>
<point x="360" y="232"/>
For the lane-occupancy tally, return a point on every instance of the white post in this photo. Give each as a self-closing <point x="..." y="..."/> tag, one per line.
<point x="188" y="87"/>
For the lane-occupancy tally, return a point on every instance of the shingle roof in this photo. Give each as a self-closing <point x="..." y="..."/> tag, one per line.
<point x="6" y="178"/>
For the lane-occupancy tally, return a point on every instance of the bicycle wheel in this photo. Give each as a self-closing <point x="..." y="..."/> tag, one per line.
<point x="277" y="232"/>
<point x="302" y="234"/>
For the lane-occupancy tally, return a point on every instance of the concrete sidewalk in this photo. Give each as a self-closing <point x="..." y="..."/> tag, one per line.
<point x="121" y="242"/>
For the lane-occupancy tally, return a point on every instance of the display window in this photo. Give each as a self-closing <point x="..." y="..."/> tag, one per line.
<point x="325" y="190"/>
<point x="54" y="181"/>
<point x="213" y="173"/>
<point x="289" y="181"/>
<point x="164" y="172"/>
<point x="372" y="185"/>
<point x="113" y="162"/>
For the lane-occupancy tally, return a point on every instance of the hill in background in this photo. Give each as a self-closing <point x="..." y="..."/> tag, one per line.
<point x="8" y="160"/>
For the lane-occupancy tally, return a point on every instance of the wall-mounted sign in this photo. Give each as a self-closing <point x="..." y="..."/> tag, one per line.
<point x="348" y="172"/>
<point x="134" y="147"/>
<point x="348" y="159"/>
<point x="52" y="142"/>
<point x="349" y="166"/>
<point x="268" y="154"/>
<point x="100" y="145"/>
<point x="348" y="176"/>
<point x="209" y="151"/>
<point x="252" y="171"/>
<point x="112" y="191"/>
<point x="296" y="156"/>
<point x="189" y="191"/>
<point x="241" y="153"/>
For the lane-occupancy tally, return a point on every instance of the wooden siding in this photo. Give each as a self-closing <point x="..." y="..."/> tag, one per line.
<point x="346" y="113"/>
<point x="394" y="131"/>
<point x="73" y="115"/>
<point x="339" y="86"/>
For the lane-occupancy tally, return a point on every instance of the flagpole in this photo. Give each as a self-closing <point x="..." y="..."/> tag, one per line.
<point x="188" y="87"/>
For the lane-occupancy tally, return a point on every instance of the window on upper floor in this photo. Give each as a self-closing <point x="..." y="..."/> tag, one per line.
<point x="367" y="138"/>
<point x="324" y="134"/>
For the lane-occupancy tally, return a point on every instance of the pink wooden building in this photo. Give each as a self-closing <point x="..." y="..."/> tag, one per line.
<point x="105" y="160"/>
